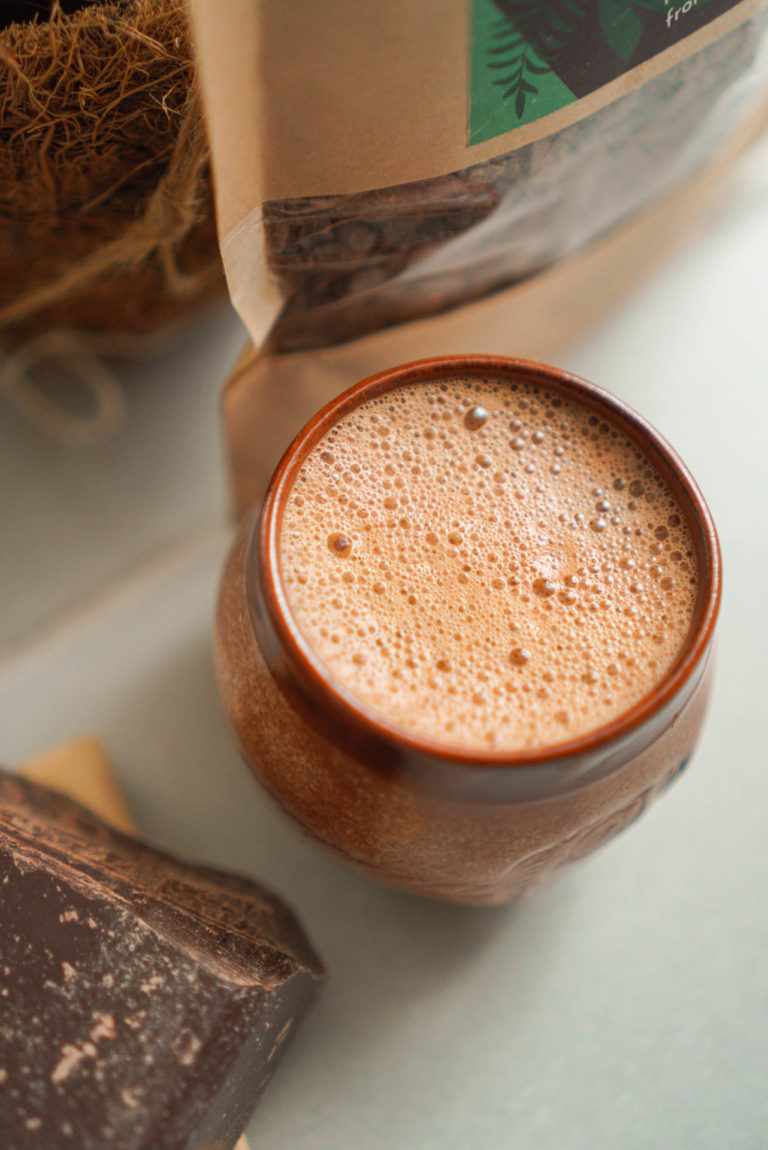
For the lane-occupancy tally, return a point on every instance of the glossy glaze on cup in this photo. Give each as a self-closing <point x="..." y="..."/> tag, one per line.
<point x="454" y="825"/>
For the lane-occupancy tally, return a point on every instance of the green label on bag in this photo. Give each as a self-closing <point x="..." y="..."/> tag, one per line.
<point x="532" y="57"/>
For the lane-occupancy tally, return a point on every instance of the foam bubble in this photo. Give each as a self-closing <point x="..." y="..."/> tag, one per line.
<point x="475" y="418"/>
<point x="339" y="544"/>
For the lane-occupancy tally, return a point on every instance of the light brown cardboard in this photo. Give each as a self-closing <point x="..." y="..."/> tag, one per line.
<point x="80" y="769"/>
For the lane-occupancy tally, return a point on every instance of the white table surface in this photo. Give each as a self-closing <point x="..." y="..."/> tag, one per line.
<point x="627" y="1006"/>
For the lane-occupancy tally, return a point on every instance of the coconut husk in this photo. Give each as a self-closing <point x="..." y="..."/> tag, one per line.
<point x="106" y="216"/>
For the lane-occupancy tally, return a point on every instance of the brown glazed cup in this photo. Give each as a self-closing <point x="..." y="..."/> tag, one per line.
<point x="465" y="827"/>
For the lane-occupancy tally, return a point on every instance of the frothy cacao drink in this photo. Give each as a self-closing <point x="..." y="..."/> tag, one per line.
<point x="466" y="639"/>
<point x="486" y="564"/>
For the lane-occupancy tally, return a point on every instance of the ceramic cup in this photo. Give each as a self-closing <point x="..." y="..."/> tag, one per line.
<point x="451" y="824"/>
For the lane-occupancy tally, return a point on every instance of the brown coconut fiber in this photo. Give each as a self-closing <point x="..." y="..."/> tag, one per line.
<point x="106" y="215"/>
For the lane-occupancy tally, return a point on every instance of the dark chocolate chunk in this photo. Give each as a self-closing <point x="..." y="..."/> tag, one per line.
<point x="144" y="1002"/>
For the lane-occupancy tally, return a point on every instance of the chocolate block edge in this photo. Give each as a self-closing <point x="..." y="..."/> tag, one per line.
<point x="254" y="973"/>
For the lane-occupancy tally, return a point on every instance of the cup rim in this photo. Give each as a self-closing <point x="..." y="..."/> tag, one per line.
<point x="337" y="712"/>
